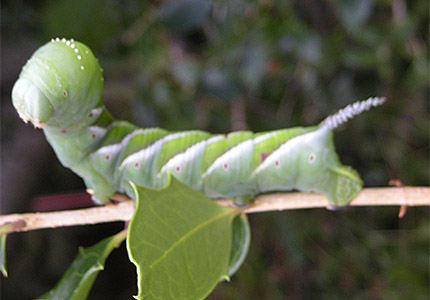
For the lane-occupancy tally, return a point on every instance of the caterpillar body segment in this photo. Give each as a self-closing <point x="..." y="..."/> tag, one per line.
<point x="245" y="163"/>
<point x="60" y="90"/>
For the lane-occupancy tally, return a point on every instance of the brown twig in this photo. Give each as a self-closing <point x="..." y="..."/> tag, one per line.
<point x="122" y="211"/>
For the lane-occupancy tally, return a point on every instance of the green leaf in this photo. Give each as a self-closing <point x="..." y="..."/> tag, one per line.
<point x="241" y="241"/>
<point x="79" y="278"/>
<point x="180" y="242"/>
<point x="3" y="268"/>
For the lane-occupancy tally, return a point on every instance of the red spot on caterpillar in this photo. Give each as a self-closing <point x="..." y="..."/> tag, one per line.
<point x="263" y="156"/>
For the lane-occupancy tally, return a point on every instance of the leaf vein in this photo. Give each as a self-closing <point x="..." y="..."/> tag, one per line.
<point x="187" y="235"/>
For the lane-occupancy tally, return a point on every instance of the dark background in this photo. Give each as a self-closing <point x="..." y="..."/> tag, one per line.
<point x="229" y="65"/>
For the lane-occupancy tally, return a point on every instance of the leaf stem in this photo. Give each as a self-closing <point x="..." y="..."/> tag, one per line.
<point x="122" y="211"/>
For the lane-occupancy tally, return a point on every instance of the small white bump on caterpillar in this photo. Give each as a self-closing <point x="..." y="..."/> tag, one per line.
<point x="82" y="68"/>
<point x="178" y="169"/>
<point x="277" y="163"/>
<point x="72" y="46"/>
<point x="137" y="165"/>
<point x="72" y="40"/>
<point x="63" y="40"/>
<point x="79" y="57"/>
<point x="76" y="50"/>
<point x="312" y="157"/>
<point x="52" y="40"/>
<point x="225" y="166"/>
<point x="57" y="39"/>
<point x="68" y="43"/>
<point x="86" y="51"/>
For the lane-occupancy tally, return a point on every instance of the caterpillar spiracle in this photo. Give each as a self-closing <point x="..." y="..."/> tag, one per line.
<point x="60" y="90"/>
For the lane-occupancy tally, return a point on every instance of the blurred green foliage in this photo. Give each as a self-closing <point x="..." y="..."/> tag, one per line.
<point x="258" y="65"/>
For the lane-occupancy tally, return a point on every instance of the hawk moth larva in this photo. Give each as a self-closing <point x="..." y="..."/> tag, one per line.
<point x="60" y="89"/>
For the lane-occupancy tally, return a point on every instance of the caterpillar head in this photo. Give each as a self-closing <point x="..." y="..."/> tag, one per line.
<point x="59" y="85"/>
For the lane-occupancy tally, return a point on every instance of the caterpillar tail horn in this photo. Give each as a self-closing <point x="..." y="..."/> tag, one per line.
<point x="350" y="111"/>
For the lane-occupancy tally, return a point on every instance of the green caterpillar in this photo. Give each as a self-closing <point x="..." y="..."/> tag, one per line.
<point x="60" y="90"/>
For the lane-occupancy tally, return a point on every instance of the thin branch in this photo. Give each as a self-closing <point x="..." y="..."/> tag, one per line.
<point x="94" y="215"/>
<point x="389" y="196"/>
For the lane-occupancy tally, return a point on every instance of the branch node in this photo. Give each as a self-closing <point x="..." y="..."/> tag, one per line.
<point x="12" y="226"/>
